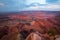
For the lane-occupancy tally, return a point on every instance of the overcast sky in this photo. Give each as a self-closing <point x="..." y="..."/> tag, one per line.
<point x="19" y="5"/>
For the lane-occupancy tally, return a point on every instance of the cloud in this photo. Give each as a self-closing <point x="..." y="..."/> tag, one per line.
<point x="28" y="2"/>
<point x="2" y="4"/>
<point x="50" y="7"/>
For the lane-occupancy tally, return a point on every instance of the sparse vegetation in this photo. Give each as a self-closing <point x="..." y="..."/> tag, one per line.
<point x="18" y="27"/>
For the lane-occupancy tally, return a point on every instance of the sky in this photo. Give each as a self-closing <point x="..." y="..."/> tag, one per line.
<point x="25" y="5"/>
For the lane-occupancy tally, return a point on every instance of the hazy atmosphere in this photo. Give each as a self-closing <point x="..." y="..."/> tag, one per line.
<point x="19" y="5"/>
